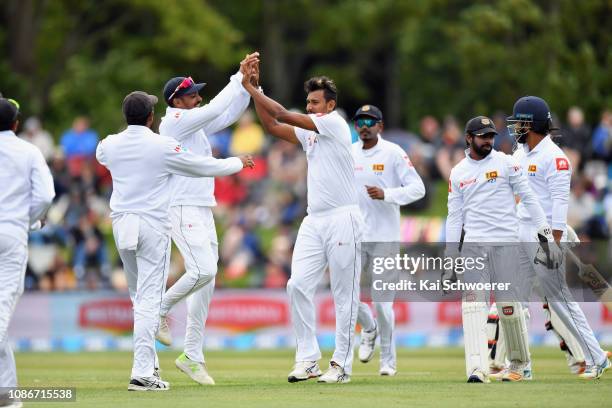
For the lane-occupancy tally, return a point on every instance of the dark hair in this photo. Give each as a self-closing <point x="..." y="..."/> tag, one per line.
<point x="137" y="120"/>
<point x="9" y="114"/>
<point x="322" y="83"/>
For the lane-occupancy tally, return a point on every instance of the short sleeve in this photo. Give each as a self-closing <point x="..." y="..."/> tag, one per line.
<point x="302" y="135"/>
<point x="331" y="125"/>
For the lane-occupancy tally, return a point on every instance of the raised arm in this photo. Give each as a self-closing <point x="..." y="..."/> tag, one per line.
<point x="275" y="110"/>
<point x="223" y="110"/>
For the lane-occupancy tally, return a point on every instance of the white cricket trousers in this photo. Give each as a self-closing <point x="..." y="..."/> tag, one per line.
<point x="552" y="286"/>
<point x="146" y="270"/>
<point x="13" y="261"/>
<point x="194" y="234"/>
<point x="499" y="267"/>
<point x="385" y="316"/>
<point x="330" y="239"/>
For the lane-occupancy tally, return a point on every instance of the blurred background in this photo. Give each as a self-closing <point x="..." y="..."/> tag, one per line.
<point x="429" y="65"/>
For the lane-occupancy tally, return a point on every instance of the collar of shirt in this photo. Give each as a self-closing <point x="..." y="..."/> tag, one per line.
<point x="137" y="129"/>
<point x="467" y="155"/>
<point x="543" y="143"/>
<point x="7" y="133"/>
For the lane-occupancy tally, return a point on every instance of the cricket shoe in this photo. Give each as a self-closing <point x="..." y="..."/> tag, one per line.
<point x="578" y="368"/>
<point x="496" y="372"/>
<point x="163" y="332"/>
<point x="148" y="384"/>
<point x="368" y="342"/>
<point x="478" y="376"/>
<point x="334" y="375"/>
<point x="304" y="370"/>
<point x="196" y="371"/>
<point x="387" y="371"/>
<point x="596" y="371"/>
<point x="516" y="372"/>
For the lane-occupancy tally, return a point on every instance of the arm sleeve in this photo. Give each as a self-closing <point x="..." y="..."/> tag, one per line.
<point x="100" y="154"/>
<point x="184" y="163"/>
<point x="330" y="125"/>
<point x="192" y="120"/>
<point x="239" y="102"/>
<point x="454" y="221"/>
<point x="520" y="187"/>
<point x="558" y="179"/>
<point x="302" y="135"/>
<point x="42" y="187"/>
<point x="411" y="186"/>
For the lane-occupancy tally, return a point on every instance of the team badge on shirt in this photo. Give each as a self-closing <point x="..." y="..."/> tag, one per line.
<point x="491" y="176"/>
<point x="531" y="170"/>
<point x="562" y="163"/>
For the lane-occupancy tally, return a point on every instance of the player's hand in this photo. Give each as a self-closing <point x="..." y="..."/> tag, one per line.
<point x="549" y="253"/>
<point x="246" y="66"/>
<point x="247" y="161"/>
<point x="375" y="193"/>
<point x="255" y="74"/>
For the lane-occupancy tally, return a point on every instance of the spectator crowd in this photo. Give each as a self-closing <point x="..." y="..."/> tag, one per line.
<point x="259" y="210"/>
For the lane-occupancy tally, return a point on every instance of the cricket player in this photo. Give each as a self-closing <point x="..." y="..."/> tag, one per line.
<point x="567" y="342"/>
<point x="192" y="200"/>
<point x="481" y="202"/>
<point x="141" y="163"/>
<point x="26" y="194"/>
<point x="330" y="234"/>
<point x="386" y="179"/>
<point x="549" y="174"/>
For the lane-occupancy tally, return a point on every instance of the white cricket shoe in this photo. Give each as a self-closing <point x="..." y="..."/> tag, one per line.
<point x="196" y="371"/>
<point x="368" y="342"/>
<point x="304" y="370"/>
<point x="148" y="384"/>
<point x="163" y="332"/>
<point x="478" y="376"/>
<point x="516" y="372"/>
<point x="596" y="371"/>
<point x="335" y="374"/>
<point x="578" y="368"/>
<point x="496" y="372"/>
<point x="387" y="371"/>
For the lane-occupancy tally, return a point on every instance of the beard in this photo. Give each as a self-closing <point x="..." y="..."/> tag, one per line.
<point x="482" y="151"/>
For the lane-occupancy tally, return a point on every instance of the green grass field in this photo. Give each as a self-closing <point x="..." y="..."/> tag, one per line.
<point x="426" y="378"/>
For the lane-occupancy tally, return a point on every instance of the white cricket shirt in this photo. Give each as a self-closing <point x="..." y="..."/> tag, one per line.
<point x="141" y="162"/>
<point x="26" y="186"/>
<point x="549" y="173"/>
<point x="190" y="127"/>
<point x="331" y="174"/>
<point x="481" y="199"/>
<point x="386" y="166"/>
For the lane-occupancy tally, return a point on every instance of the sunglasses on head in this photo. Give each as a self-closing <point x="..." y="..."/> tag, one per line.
<point x="185" y="83"/>
<point x="15" y="103"/>
<point x="368" y="122"/>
